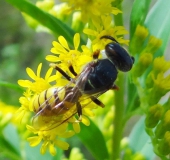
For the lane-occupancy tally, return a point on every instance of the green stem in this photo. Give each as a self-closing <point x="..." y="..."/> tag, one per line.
<point x="119" y="105"/>
<point x="118" y="119"/>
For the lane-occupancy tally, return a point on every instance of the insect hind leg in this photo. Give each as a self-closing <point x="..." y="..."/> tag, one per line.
<point x="97" y="101"/>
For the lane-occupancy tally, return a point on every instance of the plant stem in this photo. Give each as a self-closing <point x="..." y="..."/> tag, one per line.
<point x="119" y="105"/>
<point x="118" y="119"/>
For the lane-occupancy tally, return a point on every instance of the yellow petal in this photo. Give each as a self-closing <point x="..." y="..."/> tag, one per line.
<point x="48" y="74"/>
<point x="67" y="134"/>
<point x="85" y="121"/>
<point x="76" y="40"/>
<point x="34" y="141"/>
<point x="90" y="32"/>
<point x="52" y="149"/>
<point x="52" y="78"/>
<point x="61" y="144"/>
<point x="58" y="48"/>
<point x="63" y="42"/>
<point x="24" y="83"/>
<point x="43" y="148"/>
<point x="52" y="58"/>
<point x="31" y="73"/>
<point x="76" y="127"/>
<point x="39" y="69"/>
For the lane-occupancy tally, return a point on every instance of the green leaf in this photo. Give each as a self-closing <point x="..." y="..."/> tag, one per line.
<point x="138" y="14"/>
<point x="93" y="139"/>
<point x="49" y="21"/>
<point x="140" y="141"/>
<point x="11" y="135"/>
<point x="11" y="85"/>
<point x="7" y="151"/>
<point x="158" y="23"/>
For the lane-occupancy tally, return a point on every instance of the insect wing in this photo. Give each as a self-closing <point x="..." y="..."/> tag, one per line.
<point x="51" y="107"/>
<point x="61" y="106"/>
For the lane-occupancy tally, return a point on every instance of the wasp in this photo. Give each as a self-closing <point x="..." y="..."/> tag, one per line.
<point x="97" y="77"/>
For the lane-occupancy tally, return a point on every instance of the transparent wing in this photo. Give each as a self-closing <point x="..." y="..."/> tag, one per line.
<point x="63" y="112"/>
<point x="50" y="106"/>
<point x="60" y="107"/>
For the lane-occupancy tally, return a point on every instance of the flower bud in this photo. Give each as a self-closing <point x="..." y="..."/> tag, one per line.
<point x="144" y="61"/>
<point x="153" y="116"/>
<point x="138" y="39"/>
<point x="164" y="145"/>
<point x="163" y="126"/>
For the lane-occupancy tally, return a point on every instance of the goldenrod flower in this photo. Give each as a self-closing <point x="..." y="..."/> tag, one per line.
<point x="160" y="65"/>
<point x="162" y="81"/>
<point x="39" y="84"/>
<point x="66" y="56"/>
<point x="50" y="138"/>
<point x="90" y="9"/>
<point x="104" y="27"/>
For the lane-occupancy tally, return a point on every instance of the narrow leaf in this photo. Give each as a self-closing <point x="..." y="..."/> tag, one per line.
<point x="93" y="139"/>
<point x="11" y="85"/>
<point x="49" y="21"/>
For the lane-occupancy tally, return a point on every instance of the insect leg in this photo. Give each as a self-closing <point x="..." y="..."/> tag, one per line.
<point x="79" y="110"/>
<point x="114" y="87"/>
<point x="61" y="71"/>
<point x="96" y="54"/>
<point x="97" y="101"/>
<point x="72" y="70"/>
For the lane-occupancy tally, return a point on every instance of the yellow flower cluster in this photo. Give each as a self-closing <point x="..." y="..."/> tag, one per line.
<point x="93" y="17"/>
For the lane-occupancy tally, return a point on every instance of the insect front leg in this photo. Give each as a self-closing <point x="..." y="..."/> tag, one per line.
<point x="96" y="54"/>
<point x="72" y="70"/>
<point x="61" y="71"/>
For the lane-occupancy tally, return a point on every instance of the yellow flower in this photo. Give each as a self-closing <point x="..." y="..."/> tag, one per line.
<point x="162" y="81"/>
<point x="24" y="110"/>
<point x="39" y="84"/>
<point x="90" y="9"/>
<point x="66" y="56"/>
<point x="104" y="27"/>
<point x="33" y="88"/>
<point x="160" y="65"/>
<point x="50" y="138"/>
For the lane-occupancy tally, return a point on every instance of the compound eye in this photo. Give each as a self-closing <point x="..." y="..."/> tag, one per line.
<point x="110" y="50"/>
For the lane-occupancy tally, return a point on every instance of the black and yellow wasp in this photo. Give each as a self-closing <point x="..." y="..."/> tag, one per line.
<point x="97" y="77"/>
